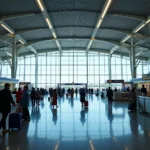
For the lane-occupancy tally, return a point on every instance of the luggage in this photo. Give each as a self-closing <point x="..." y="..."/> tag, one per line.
<point x="19" y="110"/>
<point x="96" y="94"/>
<point x="15" y="121"/>
<point x="86" y="103"/>
<point x="132" y="106"/>
<point x="48" y="98"/>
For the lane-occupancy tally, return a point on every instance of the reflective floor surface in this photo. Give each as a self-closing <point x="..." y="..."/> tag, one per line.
<point x="71" y="127"/>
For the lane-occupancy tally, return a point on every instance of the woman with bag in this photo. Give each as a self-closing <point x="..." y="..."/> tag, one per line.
<point x="54" y="98"/>
<point x="18" y="95"/>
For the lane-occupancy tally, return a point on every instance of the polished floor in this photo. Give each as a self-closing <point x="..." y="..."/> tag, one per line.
<point x="71" y="127"/>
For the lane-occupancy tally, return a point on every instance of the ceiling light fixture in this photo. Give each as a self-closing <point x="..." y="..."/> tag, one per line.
<point x="139" y="28"/>
<point x="40" y="4"/>
<point x="126" y="38"/>
<point x="7" y="29"/>
<point x="148" y="21"/>
<point x="49" y="24"/>
<point x="106" y="8"/>
<point x="21" y="41"/>
<point x="54" y="35"/>
<point x="99" y="23"/>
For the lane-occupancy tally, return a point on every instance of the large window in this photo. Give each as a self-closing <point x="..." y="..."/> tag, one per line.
<point x="72" y="67"/>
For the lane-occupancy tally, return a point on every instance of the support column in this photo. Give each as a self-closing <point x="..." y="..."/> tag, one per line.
<point x="121" y="68"/>
<point x="73" y="66"/>
<point x="14" y="60"/>
<point x="36" y="70"/>
<point x="1" y="68"/>
<point x="60" y="68"/>
<point x="24" y="58"/>
<point x="109" y="66"/>
<point x="99" y="68"/>
<point x="132" y="59"/>
<point x="87" y="70"/>
<point x="46" y="70"/>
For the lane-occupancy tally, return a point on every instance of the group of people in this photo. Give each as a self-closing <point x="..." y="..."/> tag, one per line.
<point x="6" y="100"/>
<point x="23" y="97"/>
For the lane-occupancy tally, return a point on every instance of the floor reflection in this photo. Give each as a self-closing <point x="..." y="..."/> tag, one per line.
<point x="72" y="126"/>
<point x="54" y="116"/>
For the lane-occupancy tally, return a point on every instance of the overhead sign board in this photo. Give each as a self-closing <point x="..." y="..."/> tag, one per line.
<point x="115" y="81"/>
<point x="146" y="76"/>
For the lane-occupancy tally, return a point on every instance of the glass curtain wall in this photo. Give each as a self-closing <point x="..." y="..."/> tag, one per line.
<point x="74" y="68"/>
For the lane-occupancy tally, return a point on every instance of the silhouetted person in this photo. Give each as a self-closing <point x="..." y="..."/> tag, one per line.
<point x="143" y="91"/>
<point x="82" y="96"/>
<point x="33" y="96"/>
<point x="110" y="96"/>
<point x="115" y="89"/>
<point x="128" y="89"/>
<point x="5" y="105"/>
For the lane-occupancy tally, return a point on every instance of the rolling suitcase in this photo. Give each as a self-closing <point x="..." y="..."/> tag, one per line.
<point x="132" y="106"/>
<point x="86" y="103"/>
<point x="19" y="110"/>
<point x="15" y="121"/>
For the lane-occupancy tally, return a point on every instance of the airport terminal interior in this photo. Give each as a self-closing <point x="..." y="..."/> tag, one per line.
<point x="71" y="48"/>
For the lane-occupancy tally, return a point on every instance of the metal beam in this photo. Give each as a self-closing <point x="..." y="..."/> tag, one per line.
<point x="134" y="17"/>
<point x="7" y="53"/>
<point x="135" y="31"/>
<point x="6" y="42"/>
<point x="115" y="43"/>
<point x="81" y="49"/>
<point x="32" y="49"/>
<point x="99" y="22"/>
<point x="14" y="16"/>
<point x="8" y="28"/>
<point x="18" y="36"/>
<point x="48" y="21"/>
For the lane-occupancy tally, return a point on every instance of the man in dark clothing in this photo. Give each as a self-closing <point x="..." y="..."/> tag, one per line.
<point x="110" y="96"/>
<point x="143" y="91"/>
<point x="5" y="105"/>
<point x="82" y="96"/>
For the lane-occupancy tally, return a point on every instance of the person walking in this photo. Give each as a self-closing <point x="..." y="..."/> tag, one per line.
<point x="32" y="96"/>
<point x="110" y="96"/>
<point x="24" y="103"/>
<point x="54" y="98"/>
<point x="5" y="105"/>
<point x="38" y="96"/>
<point x="82" y="96"/>
<point x="132" y="99"/>
<point x="18" y="95"/>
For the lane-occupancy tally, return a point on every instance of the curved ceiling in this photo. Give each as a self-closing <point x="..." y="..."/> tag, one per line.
<point x="74" y="24"/>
